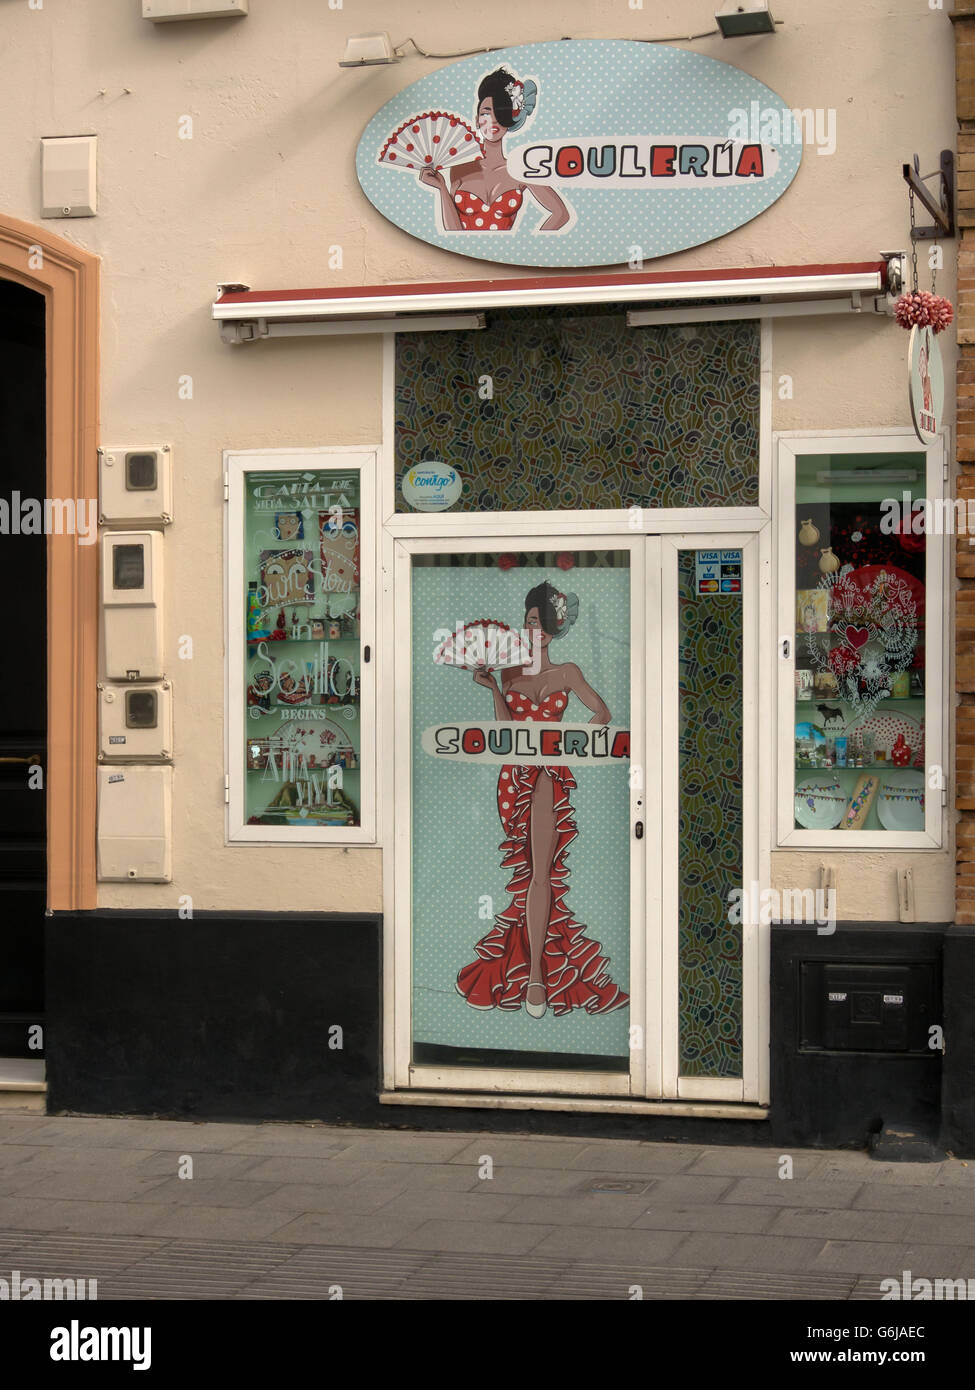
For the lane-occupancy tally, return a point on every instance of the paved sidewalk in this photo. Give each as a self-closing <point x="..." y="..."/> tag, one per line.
<point x="290" y="1211"/>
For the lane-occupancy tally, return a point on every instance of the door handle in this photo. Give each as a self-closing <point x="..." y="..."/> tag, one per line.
<point x="638" y="829"/>
<point x="32" y="758"/>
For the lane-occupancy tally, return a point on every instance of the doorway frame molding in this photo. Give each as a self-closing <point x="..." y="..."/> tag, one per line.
<point x="68" y="278"/>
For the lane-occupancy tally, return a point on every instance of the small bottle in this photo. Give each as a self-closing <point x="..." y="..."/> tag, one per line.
<point x="253" y="610"/>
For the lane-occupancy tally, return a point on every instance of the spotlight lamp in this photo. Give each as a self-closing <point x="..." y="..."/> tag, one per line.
<point x="369" y="50"/>
<point x="738" y="21"/>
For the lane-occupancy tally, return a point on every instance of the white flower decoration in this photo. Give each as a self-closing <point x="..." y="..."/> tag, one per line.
<point x="559" y="604"/>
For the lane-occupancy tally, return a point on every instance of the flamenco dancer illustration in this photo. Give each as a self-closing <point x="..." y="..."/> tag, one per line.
<point x="483" y="196"/>
<point x="536" y="953"/>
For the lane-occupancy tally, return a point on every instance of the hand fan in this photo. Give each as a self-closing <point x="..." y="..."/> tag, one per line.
<point x="434" y="140"/>
<point x="484" y="646"/>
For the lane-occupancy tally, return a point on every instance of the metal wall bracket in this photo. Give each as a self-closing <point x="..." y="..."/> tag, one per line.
<point x="237" y="331"/>
<point x="943" y="211"/>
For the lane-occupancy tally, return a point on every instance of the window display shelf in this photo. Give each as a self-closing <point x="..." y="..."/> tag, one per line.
<point x="300" y="668"/>
<point x="863" y="666"/>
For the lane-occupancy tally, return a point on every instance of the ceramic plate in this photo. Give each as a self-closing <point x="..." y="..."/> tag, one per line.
<point x="820" y="803"/>
<point x="900" y="802"/>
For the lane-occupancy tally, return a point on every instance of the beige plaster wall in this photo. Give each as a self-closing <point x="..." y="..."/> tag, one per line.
<point x="267" y="185"/>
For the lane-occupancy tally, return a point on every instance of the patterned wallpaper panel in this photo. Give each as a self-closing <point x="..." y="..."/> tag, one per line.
<point x="550" y="409"/>
<point x="709" y="969"/>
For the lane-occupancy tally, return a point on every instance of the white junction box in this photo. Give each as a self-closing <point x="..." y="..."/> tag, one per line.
<point x="161" y="11"/>
<point x="135" y="485"/>
<point x="135" y="824"/>
<point x="132" y="620"/>
<point x="135" y="723"/>
<point x="68" y="176"/>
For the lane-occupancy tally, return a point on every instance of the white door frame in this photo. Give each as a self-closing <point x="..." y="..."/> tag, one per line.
<point x="653" y="980"/>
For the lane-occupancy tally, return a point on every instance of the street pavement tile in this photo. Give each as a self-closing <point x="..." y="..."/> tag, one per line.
<point x="632" y="1156"/>
<point x="59" y="1158"/>
<point x="958" y="1172"/>
<point x="433" y="1204"/>
<point x="316" y="1141"/>
<point x="757" y="1163"/>
<point x="16" y="1179"/>
<point x="844" y="1224"/>
<point x="474" y="1238"/>
<point x="667" y="1192"/>
<point x="95" y="1185"/>
<point x="789" y="1192"/>
<point x="396" y="1147"/>
<point x="106" y="1218"/>
<point x="553" y="1182"/>
<point x="216" y="1223"/>
<point x="208" y="1192"/>
<point x="947" y="1230"/>
<point x="364" y="1197"/>
<point x="766" y="1253"/>
<point x="380" y="1231"/>
<point x="519" y="1152"/>
<point x="400" y="1176"/>
<point x="614" y="1247"/>
<point x="941" y="1200"/>
<point x="718" y="1216"/>
<point x="166" y="1163"/>
<point x="842" y="1167"/>
<point x="12" y="1127"/>
<point x="80" y="1131"/>
<point x="284" y="1168"/>
<point x="889" y="1260"/>
<point x="599" y="1210"/>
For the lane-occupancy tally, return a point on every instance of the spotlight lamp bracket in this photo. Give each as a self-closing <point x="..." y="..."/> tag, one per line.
<point x="943" y="211"/>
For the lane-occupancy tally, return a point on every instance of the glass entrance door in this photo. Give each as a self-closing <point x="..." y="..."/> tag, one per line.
<point x="569" y="778"/>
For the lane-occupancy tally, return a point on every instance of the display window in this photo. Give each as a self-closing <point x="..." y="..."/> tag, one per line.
<point x="299" y="596"/>
<point x="861" y="564"/>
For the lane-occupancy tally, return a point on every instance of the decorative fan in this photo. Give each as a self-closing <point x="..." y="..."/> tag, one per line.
<point x="484" y="646"/>
<point x="435" y="140"/>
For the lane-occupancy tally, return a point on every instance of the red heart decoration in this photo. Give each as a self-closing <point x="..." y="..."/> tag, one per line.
<point x="857" y="636"/>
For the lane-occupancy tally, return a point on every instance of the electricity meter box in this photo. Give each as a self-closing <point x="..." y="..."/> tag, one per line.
<point x="867" y="1006"/>
<point x="135" y="485"/>
<point x="135" y="824"/>
<point x="135" y="723"/>
<point x="132" y="643"/>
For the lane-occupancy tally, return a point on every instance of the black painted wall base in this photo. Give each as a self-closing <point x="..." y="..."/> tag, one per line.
<point x="828" y="1087"/>
<point x="958" y="1081"/>
<point x="233" y="1016"/>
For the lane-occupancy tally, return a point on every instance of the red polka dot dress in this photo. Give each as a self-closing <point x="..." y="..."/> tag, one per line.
<point x="574" y="971"/>
<point x="478" y="216"/>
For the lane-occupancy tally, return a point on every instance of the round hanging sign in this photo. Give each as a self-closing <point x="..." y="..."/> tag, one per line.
<point x="584" y="152"/>
<point x="927" y="383"/>
<point x="431" y="486"/>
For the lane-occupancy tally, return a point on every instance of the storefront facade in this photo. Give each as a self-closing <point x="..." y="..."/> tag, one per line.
<point x="524" y="696"/>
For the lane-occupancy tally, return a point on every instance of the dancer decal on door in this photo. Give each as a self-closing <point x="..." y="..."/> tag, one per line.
<point x="536" y="954"/>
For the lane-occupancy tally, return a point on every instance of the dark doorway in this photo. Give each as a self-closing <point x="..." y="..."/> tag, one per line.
<point x="23" y="687"/>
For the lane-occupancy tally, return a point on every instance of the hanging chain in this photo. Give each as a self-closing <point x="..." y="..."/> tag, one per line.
<point x="913" y="244"/>
<point x="934" y="255"/>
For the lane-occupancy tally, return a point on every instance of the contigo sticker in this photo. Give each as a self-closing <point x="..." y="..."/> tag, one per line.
<point x="431" y="486"/>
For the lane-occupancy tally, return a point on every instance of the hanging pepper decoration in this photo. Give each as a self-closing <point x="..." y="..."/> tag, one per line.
<point x="919" y="308"/>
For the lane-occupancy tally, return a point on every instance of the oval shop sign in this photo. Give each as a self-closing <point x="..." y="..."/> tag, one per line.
<point x="578" y="153"/>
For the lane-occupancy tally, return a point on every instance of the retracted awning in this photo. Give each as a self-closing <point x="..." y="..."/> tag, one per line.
<point x="245" y="314"/>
